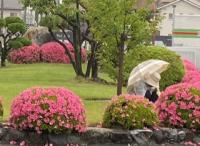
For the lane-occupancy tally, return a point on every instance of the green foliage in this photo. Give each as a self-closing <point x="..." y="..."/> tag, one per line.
<point x="51" y="21"/>
<point x="173" y="75"/>
<point x="130" y="112"/>
<point x="16" y="27"/>
<point x="10" y="20"/>
<point x="15" y="44"/>
<point x="2" y="22"/>
<point x="112" y="19"/>
<point x="24" y="41"/>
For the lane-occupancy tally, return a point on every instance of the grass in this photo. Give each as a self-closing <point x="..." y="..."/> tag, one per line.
<point x="15" y="78"/>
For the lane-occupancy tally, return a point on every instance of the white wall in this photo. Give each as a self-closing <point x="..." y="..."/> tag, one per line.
<point x="7" y="13"/>
<point x="190" y="53"/>
<point x="182" y="8"/>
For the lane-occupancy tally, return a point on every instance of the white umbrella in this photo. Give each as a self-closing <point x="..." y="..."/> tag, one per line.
<point x="148" y="71"/>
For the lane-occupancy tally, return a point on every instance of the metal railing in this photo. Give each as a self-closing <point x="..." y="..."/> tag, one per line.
<point x="190" y="53"/>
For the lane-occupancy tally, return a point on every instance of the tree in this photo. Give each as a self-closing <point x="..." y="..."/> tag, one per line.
<point x="62" y="17"/>
<point x="118" y="25"/>
<point x="12" y="29"/>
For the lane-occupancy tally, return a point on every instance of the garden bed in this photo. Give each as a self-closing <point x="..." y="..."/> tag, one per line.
<point x="102" y="136"/>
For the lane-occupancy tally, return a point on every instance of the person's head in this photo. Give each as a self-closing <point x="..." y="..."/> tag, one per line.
<point x="153" y="79"/>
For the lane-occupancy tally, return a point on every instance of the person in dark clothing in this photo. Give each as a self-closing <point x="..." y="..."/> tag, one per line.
<point x="151" y="94"/>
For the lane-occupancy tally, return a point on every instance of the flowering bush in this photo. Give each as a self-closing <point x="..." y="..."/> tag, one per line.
<point x="191" y="77"/>
<point x="48" y="109"/>
<point x="54" y="53"/>
<point x="129" y="112"/>
<point x="51" y="52"/>
<point x="27" y="54"/>
<point x="179" y="106"/>
<point x="188" y="65"/>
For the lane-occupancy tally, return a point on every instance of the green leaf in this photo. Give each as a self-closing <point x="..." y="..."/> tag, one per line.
<point x="17" y="27"/>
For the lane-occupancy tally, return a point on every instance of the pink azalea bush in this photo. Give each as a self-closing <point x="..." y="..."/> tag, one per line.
<point x="25" y="55"/>
<point x="179" y="106"/>
<point x="51" y="52"/>
<point x="130" y="112"/>
<point x="191" y="77"/>
<point x="188" y="65"/>
<point x="192" y="74"/>
<point x="48" y="110"/>
<point x="54" y="53"/>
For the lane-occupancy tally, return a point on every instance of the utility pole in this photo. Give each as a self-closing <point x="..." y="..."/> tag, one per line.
<point x="173" y="23"/>
<point x="2" y="8"/>
<point x="25" y="15"/>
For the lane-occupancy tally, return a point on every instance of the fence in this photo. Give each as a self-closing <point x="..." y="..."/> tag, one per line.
<point x="190" y="53"/>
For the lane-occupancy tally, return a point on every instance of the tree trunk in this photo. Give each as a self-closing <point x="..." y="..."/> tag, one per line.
<point x="66" y="50"/>
<point x="3" y="59"/>
<point x="121" y="65"/>
<point x="77" y="45"/>
<point x="95" y="69"/>
<point x="90" y="61"/>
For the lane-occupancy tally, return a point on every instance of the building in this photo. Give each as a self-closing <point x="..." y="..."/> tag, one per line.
<point x="11" y="8"/>
<point x="181" y="21"/>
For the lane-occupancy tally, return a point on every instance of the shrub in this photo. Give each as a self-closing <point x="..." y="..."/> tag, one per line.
<point x="25" y="55"/>
<point x="179" y="106"/>
<point x="191" y="77"/>
<point x="54" y="53"/>
<point x="172" y="75"/>
<point x="188" y="65"/>
<point x="51" y="52"/>
<point x="129" y="112"/>
<point x="53" y="110"/>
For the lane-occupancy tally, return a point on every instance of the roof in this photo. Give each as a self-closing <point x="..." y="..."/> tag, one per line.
<point x="193" y="3"/>
<point x="12" y="5"/>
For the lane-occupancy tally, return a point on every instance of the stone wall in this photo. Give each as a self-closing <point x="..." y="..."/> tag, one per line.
<point x="103" y="137"/>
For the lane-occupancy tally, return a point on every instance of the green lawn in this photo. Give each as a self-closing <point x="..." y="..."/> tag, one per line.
<point x="16" y="78"/>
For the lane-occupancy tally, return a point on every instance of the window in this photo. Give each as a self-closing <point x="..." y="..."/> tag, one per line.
<point x="170" y="16"/>
<point x="13" y="14"/>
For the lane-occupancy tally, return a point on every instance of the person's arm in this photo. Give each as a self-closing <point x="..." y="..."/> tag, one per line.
<point x="140" y="88"/>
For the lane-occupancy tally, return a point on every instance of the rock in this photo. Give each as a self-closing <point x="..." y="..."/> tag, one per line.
<point x="103" y="135"/>
<point x="3" y="132"/>
<point x="58" y="139"/>
<point x="158" y="136"/>
<point x="38" y="35"/>
<point x="170" y="134"/>
<point x="181" y="136"/>
<point x="37" y="139"/>
<point x="120" y="137"/>
<point x="142" y="137"/>
<point x="96" y="135"/>
<point x="15" y="135"/>
<point x="196" y="139"/>
<point x="74" y="139"/>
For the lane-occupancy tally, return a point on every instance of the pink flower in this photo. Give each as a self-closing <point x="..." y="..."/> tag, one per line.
<point x="40" y="108"/>
<point x="13" y="142"/>
<point x="27" y="54"/>
<point x="22" y="143"/>
<point x="178" y="103"/>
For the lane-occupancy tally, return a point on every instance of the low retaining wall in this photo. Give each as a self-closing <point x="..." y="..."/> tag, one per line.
<point x="103" y="137"/>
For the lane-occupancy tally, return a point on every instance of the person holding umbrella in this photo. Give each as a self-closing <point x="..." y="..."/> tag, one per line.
<point x="144" y="79"/>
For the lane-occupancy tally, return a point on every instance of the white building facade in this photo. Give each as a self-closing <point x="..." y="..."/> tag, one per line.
<point x="182" y="22"/>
